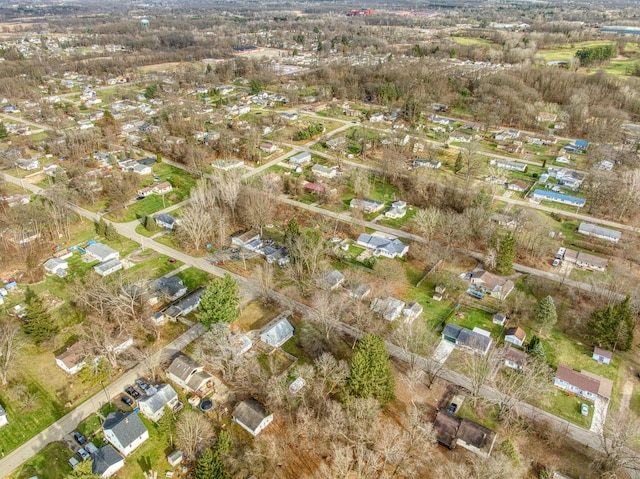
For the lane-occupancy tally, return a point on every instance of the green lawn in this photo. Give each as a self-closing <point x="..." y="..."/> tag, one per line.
<point x="488" y="418"/>
<point x="89" y="426"/>
<point x="565" y="406"/>
<point x="399" y="222"/>
<point x="152" y="454"/>
<point x="471" y="41"/>
<point x="194" y="278"/>
<point x="476" y="318"/>
<point x="154" y="267"/>
<point x="49" y="463"/>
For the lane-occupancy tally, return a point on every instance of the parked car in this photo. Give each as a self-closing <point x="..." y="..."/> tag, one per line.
<point x="141" y="384"/>
<point x="73" y="462"/>
<point x="80" y="439"/>
<point x="584" y="409"/>
<point x="172" y="260"/>
<point x="83" y="454"/>
<point x="90" y="448"/>
<point x="127" y="400"/>
<point x="452" y="408"/>
<point x="556" y="262"/>
<point x="131" y="391"/>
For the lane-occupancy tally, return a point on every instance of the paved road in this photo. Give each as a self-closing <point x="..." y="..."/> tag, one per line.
<point x="67" y="424"/>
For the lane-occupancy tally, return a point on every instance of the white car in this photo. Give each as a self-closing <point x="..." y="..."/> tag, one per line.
<point x="73" y="462"/>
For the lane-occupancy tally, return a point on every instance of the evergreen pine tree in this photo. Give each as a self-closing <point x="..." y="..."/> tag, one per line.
<point x="210" y="465"/>
<point x="612" y="326"/>
<point x="101" y="227"/>
<point x="3" y="131"/>
<point x="150" y="223"/>
<point x="219" y="302"/>
<point x="37" y="321"/>
<point x="506" y="255"/>
<point x="545" y="314"/>
<point x="371" y="375"/>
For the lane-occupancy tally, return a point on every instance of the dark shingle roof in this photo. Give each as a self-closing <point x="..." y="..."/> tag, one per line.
<point x="250" y="413"/>
<point x="104" y="458"/>
<point x="126" y="427"/>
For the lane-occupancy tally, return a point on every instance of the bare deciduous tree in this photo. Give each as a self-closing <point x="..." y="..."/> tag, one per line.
<point x="10" y="344"/>
<point x="194" y="432"/>
<point x="619" y="434"/>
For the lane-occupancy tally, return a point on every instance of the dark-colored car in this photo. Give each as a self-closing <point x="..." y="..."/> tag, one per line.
<point x="131" y="391"/>
<point x="80" y="439"/>
<point x="141" y="384"/>
<point x="127" y="400"/>
<point x="138" y="198"/>
<point x="172" y="260"/>
<point x="452" y="408"/>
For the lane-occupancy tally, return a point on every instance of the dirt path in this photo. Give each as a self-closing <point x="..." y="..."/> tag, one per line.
<point x="627" y="391"/>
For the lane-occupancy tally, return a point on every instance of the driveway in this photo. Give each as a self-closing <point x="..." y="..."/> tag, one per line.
<point x="442" y="352"/>
<point x="599" y="414"/>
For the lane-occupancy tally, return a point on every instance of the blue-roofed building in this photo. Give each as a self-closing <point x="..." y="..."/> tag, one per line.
<point x="278" y="333"/>
<point x="581" y="144"/>
<point x="540" y="195"/>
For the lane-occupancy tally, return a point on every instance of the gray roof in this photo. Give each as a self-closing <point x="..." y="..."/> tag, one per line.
<point x="99" y="250"/>
<point x="182" y="367"/>
<point x="126" y="427"/>
<point x="51" y="263"/>
<point x="107" y="265"/>
<point x="104" y="458"/>
<point x="250" y="413"/>
<point x="333" y="277"/>
<point x="466" y="337"/>
<point x="591" y="229"/>
<point x="278" y="333"/>
<point x="171" y="285"/>
<point x="186" y="304"/>
<point x="163" y="395"/>
<point x="165" y="218"/>
<point x="392" y="245"/>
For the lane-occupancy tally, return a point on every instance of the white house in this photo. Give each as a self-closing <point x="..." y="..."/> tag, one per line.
<point x="381" y="246"/>
<point x="602" y="355"/>
<point x="154" y="403"/>
<point x="125" y="432"/>
<point x="108" y="267"/>
<point x="367" y="205"/>
<point x="577" y="383"/>
<point x="166" y="221"/>
<point x="73" y="359"/>
<point x="300" y="159"/>
<point x="102" y="252"/>
<point x="278" y="333"/>
<point x="515" y="336"/>
<point x="106" y="461"/>
<point x="514" y="358"/>
<point x="607" y="234"/>
<point x="398" y="209"/>
<point x="191" y="376"/>
<point x="55" y="265"/>
<point x="323" y="171"/>
<point x="3" y="417"/>
<point x="252" y="416"/>
<point x="141" y="169"/>
<point x="389" y="308"/>
<point x="28" y="164"/>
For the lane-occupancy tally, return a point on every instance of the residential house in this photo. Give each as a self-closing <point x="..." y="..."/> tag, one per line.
<point x="476" y="341"/>
<point x="460" y="137"/>
<point x="519" y="186"/>
<point x="602" y="355"/>
<point x="389" y="308"/>
<point x="491" y="284"/>
<point x="509" y="165"/>
<point x="358" y="290"/>
<point x="3" y="417"/>
<point x="125" y="431"/>
<point x="101" y="252"/>
<point x="268" y="147"/>
<point x="141" y="169"/>
<point x="499" y="319"/>
<point x="586" y="260"/>
<point x="398" y="209"/>
<point x="191" y="376"/>
<point x="545" y="117"/>
<point x="185" y="306"/>
<point x="412" y="311"/>
<point x="170" y="288"/>
<point x="417" y="163"/>
<point x="323" y="171"/>
<point x="243" y="239"/>
<point x="566" y="177"/>
<point x="451" y="430"/>
<point x="607" y="234"/>
<point x="507" y="135"/>
<point x="252" y="416"/>
<point x="166" y="221"/>
<point x="367" y="205"/>
<point x="289" y="116"/>
<point x="315" y="188"/>
<point x="277" y="333"/>
<point x="544" y="195"/>
<point x="335" y="142"/>
<point x="376" y="118"/>
<point x="108" y="267"/>
<point x="382" y="246"/>
<point x="73" y="359"/>
<point x="156" y="400"/>
<point x="241" y="343"/>
<point x="515" y="336"/>
<point x="28" y="164"/>
<point x="333" y="278"/>
<point x="577" y="383"/>
<point x="56" y="266"/>
<point x="106" y="461"/>
<point x="514" y="358"/>
<point x="300" y="159"/>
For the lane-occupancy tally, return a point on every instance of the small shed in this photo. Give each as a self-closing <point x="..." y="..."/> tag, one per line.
<point x="602" y="355"/>
<point x="175" y="458"/>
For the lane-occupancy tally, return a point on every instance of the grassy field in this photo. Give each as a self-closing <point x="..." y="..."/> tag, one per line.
<point x="152" y="454"/>
<point x="254" y="316"/>
<point x="472" y="41"/>
<point x="50" y="463"/>
<point x="568" y="407"/>
<point x="568" y="51"/>
<point x="194" y="278"/>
